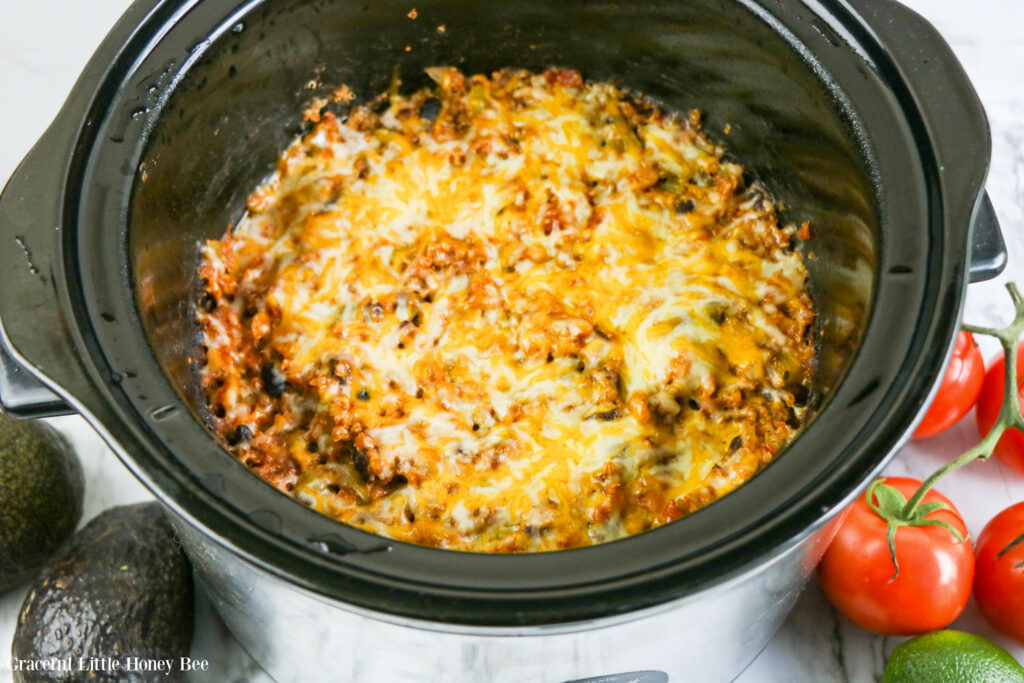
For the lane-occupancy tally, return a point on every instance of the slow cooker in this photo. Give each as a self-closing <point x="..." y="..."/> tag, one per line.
<point x="854" y="113"/>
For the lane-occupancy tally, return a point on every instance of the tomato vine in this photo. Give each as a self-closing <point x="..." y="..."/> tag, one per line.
<point x="894" y="509"/>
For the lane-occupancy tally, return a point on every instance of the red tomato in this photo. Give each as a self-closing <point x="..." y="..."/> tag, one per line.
<point x="1010" y="448"/>
<point x="959" y="389"/>
<point x="998" y="581"/>
<point x="935" y="575"/>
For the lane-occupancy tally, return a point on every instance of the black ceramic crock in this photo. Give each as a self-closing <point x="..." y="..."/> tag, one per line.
<point x="854" y="113"/>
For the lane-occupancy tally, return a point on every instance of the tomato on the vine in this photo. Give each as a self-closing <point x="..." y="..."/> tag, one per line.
<point x="935" y="568"/>
<point x="959" y="389"/>
<point x="999" y="577"/>
<point x="1010" y="448"/>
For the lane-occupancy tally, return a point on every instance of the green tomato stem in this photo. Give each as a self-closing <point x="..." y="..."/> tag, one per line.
<point x="1017" y="541"/>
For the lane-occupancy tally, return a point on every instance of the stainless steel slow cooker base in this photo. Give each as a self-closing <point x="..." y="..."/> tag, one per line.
<point x="300" y="636"/>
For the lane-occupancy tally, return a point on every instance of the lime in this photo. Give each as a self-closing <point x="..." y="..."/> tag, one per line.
<point x="951" y="657"/>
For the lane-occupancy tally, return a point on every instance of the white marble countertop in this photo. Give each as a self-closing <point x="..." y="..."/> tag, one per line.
<point x="45" y="43"/>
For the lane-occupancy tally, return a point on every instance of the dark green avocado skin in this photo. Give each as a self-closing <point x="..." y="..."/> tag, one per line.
<point x="41" y="491"/>
<point x="121" y="588"/>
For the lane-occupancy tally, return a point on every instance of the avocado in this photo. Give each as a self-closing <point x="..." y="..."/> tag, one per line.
<point x="118" y="597"/>
<point x="41" y="491"/>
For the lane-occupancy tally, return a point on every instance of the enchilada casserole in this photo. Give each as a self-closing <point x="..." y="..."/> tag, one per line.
<point x="521" y="312"/>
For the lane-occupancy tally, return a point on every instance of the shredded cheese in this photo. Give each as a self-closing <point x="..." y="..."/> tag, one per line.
<point x="514" y="313"/>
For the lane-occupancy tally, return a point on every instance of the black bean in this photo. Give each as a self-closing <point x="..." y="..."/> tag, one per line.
<point x="430" y="109"/>
<point x="208" y="302"/>
<point x="736" y="444"/>
<point x="686" y="207"/>
<point x="609" y="415"/>
<point x="717" y="313"/>
<point x="801" y="393"/>
<point x="363" y="395"/>
<point x="361" y="460"/>
<point x="274" y="381"/>
<point x="243" y="433"/>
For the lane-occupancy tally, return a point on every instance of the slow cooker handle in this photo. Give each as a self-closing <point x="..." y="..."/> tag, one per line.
<point x="34" y="338"/>
<point x="988" y="250"/>
<point x="29" y="247"/>
<point x="907" y="43"/>
<point x="24" y="396"/>
<point x="40" y="373"/>
<point x="29" y="212"/>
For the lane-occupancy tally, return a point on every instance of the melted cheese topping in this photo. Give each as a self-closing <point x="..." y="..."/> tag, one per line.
<point x="514" y="313"/>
